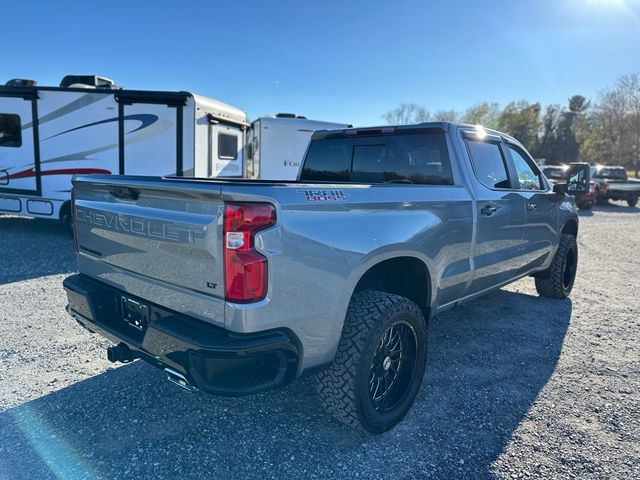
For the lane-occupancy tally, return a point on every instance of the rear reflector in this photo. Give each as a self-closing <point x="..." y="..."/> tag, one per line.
<point x="245" y="268"/>
<point x="73" y="219"/>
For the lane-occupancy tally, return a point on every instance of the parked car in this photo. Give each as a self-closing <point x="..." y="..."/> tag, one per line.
<point x="237" y="287"/>
<point x="613" y="183"/>
<point x="558" y="174"/>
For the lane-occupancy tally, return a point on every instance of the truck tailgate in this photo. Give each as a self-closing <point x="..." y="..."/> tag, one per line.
<point x="168" y="231"/>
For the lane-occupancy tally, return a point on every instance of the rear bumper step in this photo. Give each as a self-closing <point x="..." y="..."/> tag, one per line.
<point x="202" y="355"/>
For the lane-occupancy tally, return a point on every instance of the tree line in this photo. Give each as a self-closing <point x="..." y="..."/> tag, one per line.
<point x="605" y="131"/>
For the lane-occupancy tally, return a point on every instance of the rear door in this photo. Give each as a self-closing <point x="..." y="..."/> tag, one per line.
<point x="500" y="213"/>
<point x="19" y="159"/>
<point x="541" y="217"/>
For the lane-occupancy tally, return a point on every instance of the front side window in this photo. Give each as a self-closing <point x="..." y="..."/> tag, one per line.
<point x="227" y="146"/>
<point x="10" y="130"/>
<point x="488" y="164"/>
<point x="528" y="177"/>
<point x="416" y="158"/>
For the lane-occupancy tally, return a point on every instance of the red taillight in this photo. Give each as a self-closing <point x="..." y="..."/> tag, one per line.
<point x="245" y="268"/>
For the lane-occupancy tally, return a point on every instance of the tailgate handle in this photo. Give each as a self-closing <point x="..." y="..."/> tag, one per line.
<point x="124" y="193"/>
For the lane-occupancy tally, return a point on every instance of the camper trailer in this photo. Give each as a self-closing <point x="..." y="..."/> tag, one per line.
<point x="276" y="145"/>
<point x="88" y="125"/>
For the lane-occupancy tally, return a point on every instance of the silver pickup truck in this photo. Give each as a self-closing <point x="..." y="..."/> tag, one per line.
<point x="234" y="287"/>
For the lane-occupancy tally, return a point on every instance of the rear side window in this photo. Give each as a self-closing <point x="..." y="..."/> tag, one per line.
<point x="488" y="163"/>
<point x="10" y="130"/>
<point x="420" y="158"/>
<point x="227" y="146"/>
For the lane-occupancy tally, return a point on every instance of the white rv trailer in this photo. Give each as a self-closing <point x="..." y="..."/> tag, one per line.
<point x="87" y="125"/>
<point x="276" y="145"/>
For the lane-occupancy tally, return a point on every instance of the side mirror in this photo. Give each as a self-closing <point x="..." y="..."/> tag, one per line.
<point x="560" y="188"/>
<point x="578" y="178"/>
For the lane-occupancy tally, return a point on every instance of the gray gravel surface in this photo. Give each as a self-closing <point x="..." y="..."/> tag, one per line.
<point x="517" y="386"/>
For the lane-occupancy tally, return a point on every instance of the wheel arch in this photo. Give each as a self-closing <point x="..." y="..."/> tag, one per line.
<point x="570" y="227"/>
<point x="404" y="275"/>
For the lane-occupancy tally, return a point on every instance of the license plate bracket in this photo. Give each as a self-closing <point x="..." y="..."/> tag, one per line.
<point x="135" y="314"/>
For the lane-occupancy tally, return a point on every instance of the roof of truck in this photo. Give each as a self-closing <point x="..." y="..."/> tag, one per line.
<point x="426" y="126"/>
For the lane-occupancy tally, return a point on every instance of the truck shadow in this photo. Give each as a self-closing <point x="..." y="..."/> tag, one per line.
<point x="488" y="361"/>
<point x="45" y="248"/>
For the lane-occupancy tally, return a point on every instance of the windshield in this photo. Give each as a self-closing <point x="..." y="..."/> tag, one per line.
<point x="613" y="173"/>
<point x="556" y="173"/>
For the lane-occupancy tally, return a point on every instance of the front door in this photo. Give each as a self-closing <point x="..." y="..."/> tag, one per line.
<point x="19" y="162"/>
<point x="540" y="232"/>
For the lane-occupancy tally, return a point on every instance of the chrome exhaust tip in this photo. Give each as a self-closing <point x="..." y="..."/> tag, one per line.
<point x="178" y="379"/>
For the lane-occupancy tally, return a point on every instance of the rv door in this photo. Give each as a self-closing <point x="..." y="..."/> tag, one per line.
<point x="19" y="160"/>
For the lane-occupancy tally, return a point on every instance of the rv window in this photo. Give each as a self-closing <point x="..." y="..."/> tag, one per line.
<point x="227" y="146"/>
<point x="10" y="130"/>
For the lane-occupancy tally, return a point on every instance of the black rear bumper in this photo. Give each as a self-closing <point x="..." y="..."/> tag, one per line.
<point x="209" y="357"/>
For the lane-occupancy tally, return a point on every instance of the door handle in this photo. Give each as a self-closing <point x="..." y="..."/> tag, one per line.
<point x="488" y="210"/>
<point x="532" y="207"/>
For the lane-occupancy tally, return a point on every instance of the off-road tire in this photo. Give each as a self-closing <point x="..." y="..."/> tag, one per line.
<point x="632" y="201"/>
<point x="601" y="200"/>
<point x="344" y="388"/>
<point x="66" y="218"/>
<point x="556" y="281"/>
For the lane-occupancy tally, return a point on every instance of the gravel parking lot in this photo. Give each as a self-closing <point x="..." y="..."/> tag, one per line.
<point x="516" y="386"/>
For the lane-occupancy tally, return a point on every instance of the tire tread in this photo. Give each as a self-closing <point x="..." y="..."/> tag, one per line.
<point x="336" y="386"/>
<point x="551" y="285"/>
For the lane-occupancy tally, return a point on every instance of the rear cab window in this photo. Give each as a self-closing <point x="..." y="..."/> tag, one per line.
<point x="411" y="158"/>
<point x="612" y="173"/>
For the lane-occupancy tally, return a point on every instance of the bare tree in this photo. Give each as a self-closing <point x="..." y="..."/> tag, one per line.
<point x="445" y="116"/>
<point x="614" y="135"/>
<point x="406" y="113"/>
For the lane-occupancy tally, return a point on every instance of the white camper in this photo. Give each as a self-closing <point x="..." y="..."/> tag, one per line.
<point x="88" y="125"/>
<point x="276" y="145"/>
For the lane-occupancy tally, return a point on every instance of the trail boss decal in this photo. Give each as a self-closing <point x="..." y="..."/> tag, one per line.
<point x="324" y="195"/>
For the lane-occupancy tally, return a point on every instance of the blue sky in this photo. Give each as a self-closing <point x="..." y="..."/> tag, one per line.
<point x="338" y="61"/>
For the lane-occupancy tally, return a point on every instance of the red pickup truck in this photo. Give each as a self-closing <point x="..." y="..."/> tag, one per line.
<point x="558" y="174"/>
